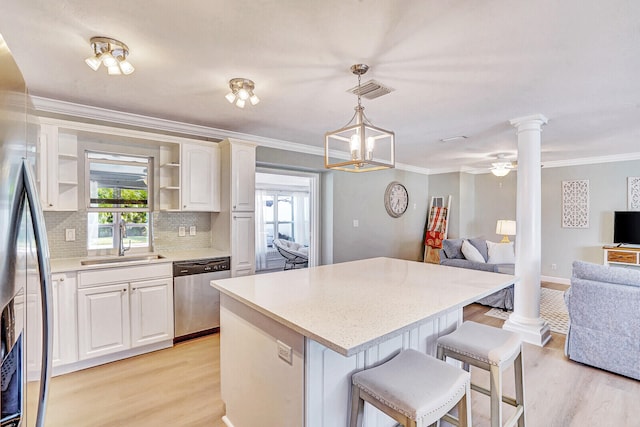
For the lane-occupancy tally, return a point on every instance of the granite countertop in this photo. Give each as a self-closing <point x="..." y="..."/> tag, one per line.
<point x="59" y="265"/>
<point x="350" y="306"/>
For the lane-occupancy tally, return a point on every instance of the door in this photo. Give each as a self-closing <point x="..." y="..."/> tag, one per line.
<point x="151" y="311"/>
<point x="103" y="320"/>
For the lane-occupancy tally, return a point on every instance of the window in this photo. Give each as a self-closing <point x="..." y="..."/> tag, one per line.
<point x="118" y="191"/>
<point x="285" y="215"/>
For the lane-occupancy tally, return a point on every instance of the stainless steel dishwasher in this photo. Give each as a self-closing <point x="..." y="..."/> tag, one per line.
<point x="196" y="303"/>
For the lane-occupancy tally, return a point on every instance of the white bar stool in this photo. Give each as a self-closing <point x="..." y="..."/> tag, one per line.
<point x="414" y="389"/>
<point x="491" y="349"/>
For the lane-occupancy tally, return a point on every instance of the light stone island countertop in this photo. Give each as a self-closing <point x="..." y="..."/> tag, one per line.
<point x="350" y="306"/>
<point x="60" y="265"/>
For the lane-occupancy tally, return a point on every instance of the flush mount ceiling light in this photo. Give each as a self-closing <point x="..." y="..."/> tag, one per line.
<point x="501" y="168"/>
<point x="367" y="148"/>
<point x="112" y="53"/>
<point x="241" y="90"/>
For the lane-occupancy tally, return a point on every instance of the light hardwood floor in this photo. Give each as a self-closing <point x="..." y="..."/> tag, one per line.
<point x="181" y="387"/>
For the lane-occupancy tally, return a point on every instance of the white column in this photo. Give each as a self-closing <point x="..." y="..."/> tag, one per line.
<point x="525" y="318"/>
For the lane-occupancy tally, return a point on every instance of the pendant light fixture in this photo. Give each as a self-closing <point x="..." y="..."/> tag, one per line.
<point x="241" y="90"/>
<point x="359" y="146"/>
<point x="112" y="54"/>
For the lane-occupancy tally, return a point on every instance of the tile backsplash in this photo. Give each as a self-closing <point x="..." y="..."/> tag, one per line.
<point x="165" y="232"/>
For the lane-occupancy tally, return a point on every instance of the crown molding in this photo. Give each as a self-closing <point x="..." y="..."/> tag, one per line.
<point x="71" y="109"/>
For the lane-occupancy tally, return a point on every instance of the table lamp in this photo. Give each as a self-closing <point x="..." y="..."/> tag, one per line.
<point x="506" y="228"/>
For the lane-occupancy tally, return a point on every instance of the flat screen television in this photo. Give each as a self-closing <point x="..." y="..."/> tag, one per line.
<point x="626" y="227"/>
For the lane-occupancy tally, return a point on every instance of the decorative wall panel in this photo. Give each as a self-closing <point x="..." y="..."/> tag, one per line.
<point x="575" y="204"/>
<point x="633" y="193"/>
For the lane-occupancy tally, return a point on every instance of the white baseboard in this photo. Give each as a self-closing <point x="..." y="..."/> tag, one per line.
<point x="559" y="280"/>
<point x="226" y="421"/>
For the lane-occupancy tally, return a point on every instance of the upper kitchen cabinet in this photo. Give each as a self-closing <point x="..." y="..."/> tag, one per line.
<point x="243" y="175"/>
<point x="190" y="177"/>
<point x="170" y="177"/>
<point x="57" y="169"/>
<point x="200" y="184"/>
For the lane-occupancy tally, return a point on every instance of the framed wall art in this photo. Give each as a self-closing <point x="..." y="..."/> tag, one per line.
<point x="575" y="204"/>
<point x="633" y="193"/>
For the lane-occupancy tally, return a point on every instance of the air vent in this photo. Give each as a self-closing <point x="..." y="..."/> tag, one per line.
<point x="371" y="89"/>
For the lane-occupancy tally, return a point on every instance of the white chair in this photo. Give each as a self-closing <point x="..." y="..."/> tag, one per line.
<point x="295" y="254"/>
<point x="491" y="349"/>
<point x="414" y="389"/>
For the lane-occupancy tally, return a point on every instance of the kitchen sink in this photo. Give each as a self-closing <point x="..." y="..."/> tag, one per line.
<point x="121" y="259"/>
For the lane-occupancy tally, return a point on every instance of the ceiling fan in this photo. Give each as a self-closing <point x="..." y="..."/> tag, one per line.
<point x="502" y="167"/>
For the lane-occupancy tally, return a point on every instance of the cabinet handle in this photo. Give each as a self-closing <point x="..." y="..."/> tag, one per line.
<point x="50" y="204"/>
<point x="62" y="279"/>
<point x="124" y="290"/>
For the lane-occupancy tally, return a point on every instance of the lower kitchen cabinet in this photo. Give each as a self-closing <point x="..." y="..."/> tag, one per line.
<point x="113" y="318"/>
<point x="103" y="320"/>
<point x="243" y="252"/>
<point x="65" y="343"/>
<point x="151" y="311"/>
<point x="63" y="311"/>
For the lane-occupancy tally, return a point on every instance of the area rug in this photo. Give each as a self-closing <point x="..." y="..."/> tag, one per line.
<point x="552" y="309"/>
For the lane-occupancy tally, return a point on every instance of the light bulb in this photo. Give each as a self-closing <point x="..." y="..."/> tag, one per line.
<point x="114" y="70"/>
<point x="254" y="99"/>
<point x="243" y="94"/>
<point x="93" y="62"/>
<point x="354" y="146"/>
<point x="108" y="60"/>
<point x="231" y="97"/>
<point x="240" y="103"/>
<point x="126" y="67"/>
<point x="370" y="146"/>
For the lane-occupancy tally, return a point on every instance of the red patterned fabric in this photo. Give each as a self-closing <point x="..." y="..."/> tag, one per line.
<point x="436" y="227"/>
<point x="434" y="239"/>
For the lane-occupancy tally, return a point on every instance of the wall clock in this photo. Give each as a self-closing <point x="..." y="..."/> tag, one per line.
<point x="396" y="199"/>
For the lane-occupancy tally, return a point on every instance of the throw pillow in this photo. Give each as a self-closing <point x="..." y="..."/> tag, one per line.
<point x="481" y="245"/>
<point x="471" y="253"/>
<point x="453" y="248"/>
<point x="501" y="253"/>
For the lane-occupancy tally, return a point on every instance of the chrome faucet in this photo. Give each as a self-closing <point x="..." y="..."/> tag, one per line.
<point x="123" y="234"/>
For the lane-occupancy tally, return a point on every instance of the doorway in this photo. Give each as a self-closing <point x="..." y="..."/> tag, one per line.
<point x="286" y="208"/>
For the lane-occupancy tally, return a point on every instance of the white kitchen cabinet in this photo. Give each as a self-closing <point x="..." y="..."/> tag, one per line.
<point x="243" y="176"/>
<point x="235" y="225"/>
<point x="63" y="310"/>
<point x="103" y="320"/>
<point x="200" y="177"/>
<point x="65" y="332"/>
<point x="31" y="303"/>
<point x="243" y="255"/>
<point x="57" y="169"/>
<point x="151" y="311"/>
<point x="124" y="308"/>
<point x="170" y="177"/>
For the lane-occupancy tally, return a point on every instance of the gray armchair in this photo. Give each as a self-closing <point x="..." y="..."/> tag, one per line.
<point x="295" y="255"/>
<point x="604" y="314"/>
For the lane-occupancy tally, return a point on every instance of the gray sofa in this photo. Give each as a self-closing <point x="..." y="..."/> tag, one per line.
<point x="451" y="255"/>
<point x="604" y="314"/>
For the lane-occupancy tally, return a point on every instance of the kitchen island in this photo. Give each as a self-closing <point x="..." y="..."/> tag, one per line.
<point x="291" y="340"/>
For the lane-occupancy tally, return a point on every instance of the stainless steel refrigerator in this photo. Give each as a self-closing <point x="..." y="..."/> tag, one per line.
<point x="25" y="279"/>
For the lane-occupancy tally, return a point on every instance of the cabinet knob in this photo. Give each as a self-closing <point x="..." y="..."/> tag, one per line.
<point x="50" y="205"/>
<point x="62" y="279"/>
<point x="124" y="290"/>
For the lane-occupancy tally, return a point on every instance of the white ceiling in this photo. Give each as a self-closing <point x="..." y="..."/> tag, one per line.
<point x="457" y="67"/>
